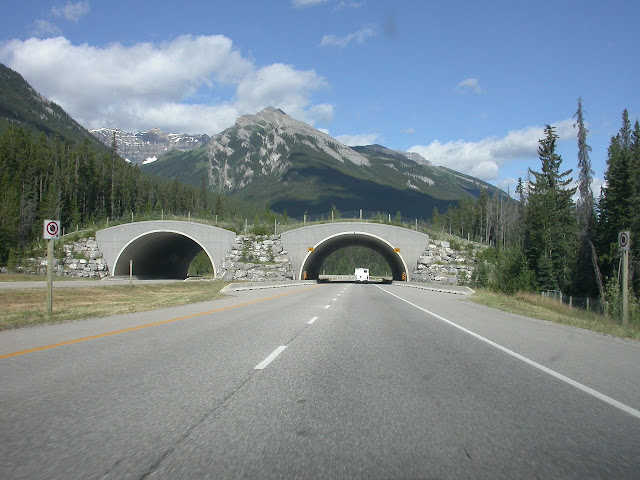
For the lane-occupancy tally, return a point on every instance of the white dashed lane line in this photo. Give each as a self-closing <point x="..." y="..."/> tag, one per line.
<point x="262" y="365"/>
<point x="270" y="358"/>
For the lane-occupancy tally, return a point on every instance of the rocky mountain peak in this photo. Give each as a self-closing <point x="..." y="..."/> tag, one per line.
<point x="416" y="157"/>
<point x="146" y="147"/>
<point x="260" y="144"/>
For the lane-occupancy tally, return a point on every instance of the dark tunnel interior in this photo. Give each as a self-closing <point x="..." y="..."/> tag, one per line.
<point x="158" y="255"/>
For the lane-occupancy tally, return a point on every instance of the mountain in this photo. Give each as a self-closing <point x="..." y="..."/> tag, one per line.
<point x="146" y="147"/>
<point x="22" y="106"/>
<point x="272" y="159"/>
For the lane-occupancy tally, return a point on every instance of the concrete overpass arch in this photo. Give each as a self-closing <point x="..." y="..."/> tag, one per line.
<point x="309" y="246"/>
<point x="162" y="248"/>
<point x="160" y="254"/>
<point x="317" y="254"/>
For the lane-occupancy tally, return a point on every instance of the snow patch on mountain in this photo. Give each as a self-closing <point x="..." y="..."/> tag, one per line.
<point x="139" y="147"/>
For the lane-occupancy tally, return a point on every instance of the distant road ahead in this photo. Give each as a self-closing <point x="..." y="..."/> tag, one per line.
<point x="328" y="381"/>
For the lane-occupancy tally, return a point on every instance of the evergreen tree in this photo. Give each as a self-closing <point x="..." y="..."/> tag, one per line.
<point x="584" y="276"/>
<point x="218" y="210"/>
<point x="616" y="201"/>
<point x="634" y="259"/>
<point x="550" y="223"/>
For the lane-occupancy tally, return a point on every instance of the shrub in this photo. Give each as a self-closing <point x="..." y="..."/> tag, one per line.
<point x="505" y="271"/>
<point x="260" y="229"/>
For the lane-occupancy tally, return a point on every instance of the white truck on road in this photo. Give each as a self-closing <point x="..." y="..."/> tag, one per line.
<point x="362" y="275"/>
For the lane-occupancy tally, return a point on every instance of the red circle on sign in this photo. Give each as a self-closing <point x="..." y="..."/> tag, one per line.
<point x="624" y="239"/>
<point x="52" y="228"/>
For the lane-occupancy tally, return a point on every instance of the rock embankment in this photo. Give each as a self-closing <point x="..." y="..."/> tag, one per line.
<point x="256" y="258"/>
<point x="441" y="264"/>
<point x="80" y="258"/>
<point x="83" y="259"/>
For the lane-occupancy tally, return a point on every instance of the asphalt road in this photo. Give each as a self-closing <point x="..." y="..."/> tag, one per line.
<point x="329" y="381"/>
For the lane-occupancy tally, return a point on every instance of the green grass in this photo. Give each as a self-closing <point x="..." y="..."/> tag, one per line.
<point x="535" y="306"/>
<point x="26" y="307"/>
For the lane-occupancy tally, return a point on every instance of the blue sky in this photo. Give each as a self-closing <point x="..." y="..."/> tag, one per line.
<point x="467" y="84"/>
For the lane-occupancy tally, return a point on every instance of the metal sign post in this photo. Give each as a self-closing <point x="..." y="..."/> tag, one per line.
<point x="624" y="243"/>
<point x="51" y="231"/>
<point x="50" y="276"/>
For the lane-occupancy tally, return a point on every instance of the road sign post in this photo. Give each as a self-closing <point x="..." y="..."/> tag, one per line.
<point x="51" y="231"/>
<point x="624" y="244"/>
<point x="50" y="276"/>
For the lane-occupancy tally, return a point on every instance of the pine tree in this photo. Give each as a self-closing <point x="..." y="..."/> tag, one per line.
<point x="584" y="276"/>
<point x="635" y="209"/>
<point x="616" y="202"/>
<point x="550" y="224"/>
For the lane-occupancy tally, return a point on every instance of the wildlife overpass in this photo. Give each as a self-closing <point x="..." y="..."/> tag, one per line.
<point x="308" y="247"/>
<point x="165" y="249"/>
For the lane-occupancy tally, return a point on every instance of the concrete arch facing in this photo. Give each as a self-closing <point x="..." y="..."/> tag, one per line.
<point x="308" y="247"/>
<point x="316" y="257"/>
<point x="161" y="249"/>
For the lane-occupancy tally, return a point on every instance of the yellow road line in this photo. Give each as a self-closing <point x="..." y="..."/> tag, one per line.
<point x="155" y="324"/>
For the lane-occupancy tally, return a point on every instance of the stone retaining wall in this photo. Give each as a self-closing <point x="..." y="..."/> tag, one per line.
<point x="82" y="258"/>
<point x="256" y="258"/>
<point x="441" y="264"/>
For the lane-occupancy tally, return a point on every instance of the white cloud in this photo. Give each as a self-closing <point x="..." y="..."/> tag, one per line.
<point x="483" y="159"/>
<point x="322" y="112"/>
<point x="147" y="85"/>
<point x="508" y="185"/>
<point x="597" y="184"/>
<point x="356" y="140"/>
<point x="72" y="11"/>
<point x="349" y="4"/>
<point x="44" y="28"/>
<point x="409" y="130"/>
<point x="485" y="170"/>
<point x="469" y="85"/>
<point x="284" y="87"/>
<point x="307" y="3"/>
<point x="358" y="37"/>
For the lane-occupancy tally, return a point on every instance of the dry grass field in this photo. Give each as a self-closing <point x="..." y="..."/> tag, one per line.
<point x="24" y="307"/>
<point x="535" y="306"/>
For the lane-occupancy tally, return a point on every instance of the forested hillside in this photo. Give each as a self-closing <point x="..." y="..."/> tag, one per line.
<point x="42" y="178"/>
<point x="21" y="106"/>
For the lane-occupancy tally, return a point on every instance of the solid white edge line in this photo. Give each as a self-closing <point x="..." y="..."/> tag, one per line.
<point x="270" y="358"/>
<point x="600" y="396"/>
<point x="312" y="320"/>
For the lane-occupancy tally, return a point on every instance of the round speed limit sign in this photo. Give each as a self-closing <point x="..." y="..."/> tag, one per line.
<point x="51" y="229"/>
<point x="623" y="241"/>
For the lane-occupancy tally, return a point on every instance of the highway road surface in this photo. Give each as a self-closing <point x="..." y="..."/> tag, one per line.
<point x="322" y="381"/>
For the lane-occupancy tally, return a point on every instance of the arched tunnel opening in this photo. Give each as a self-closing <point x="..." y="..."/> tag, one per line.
<point x="312" y="266"/>
<point x="160" y="255"/>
